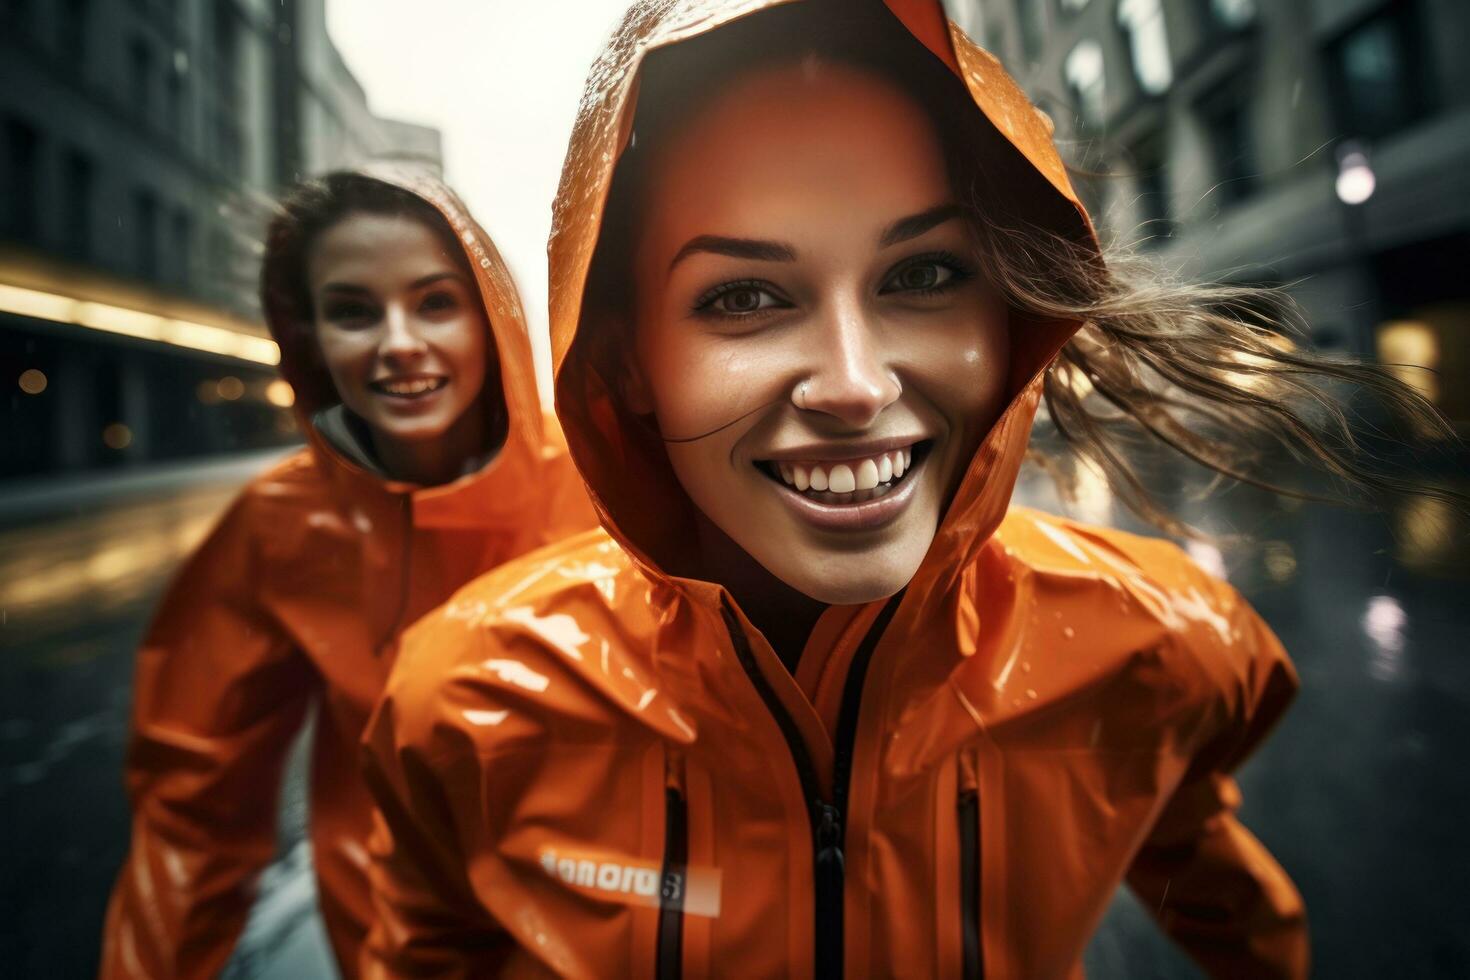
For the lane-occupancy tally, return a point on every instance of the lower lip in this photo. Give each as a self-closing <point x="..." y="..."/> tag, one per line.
<point x="866" y="516"/>
<point x="420" y="400"/>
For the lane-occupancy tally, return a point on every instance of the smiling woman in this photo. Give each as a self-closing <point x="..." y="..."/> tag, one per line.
<point x="429" y="462"/>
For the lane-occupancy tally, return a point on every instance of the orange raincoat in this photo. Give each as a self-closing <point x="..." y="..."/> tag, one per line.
<point x="297" y="598"/>
<point x="589" y="766"/>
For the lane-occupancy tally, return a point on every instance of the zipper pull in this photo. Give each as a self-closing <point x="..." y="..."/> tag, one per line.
<point x="829" y="841"/>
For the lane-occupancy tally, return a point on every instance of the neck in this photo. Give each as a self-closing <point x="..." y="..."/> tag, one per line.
<point x="430" y="462"/>
<point x="783" y="615"/>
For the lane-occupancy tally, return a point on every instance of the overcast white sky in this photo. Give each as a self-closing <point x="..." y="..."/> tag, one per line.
<point x="501" y="81"/>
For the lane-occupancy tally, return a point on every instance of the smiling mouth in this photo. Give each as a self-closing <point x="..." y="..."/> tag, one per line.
<point x="408" y="387"/>
<point x="850" y="481"/>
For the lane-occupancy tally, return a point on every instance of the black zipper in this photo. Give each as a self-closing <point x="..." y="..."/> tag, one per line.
<point x="969" y="815"/>
<point x="828" y="818"/>
<point x="406" y="570"/>
<point x="673" y="881"/>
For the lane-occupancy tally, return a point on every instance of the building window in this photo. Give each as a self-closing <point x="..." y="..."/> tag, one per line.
<point x="228" y="98"/>
<point x="1225" y="113"/>
<point x="1084" y="74"/>
<point x="78" y="189"/>
<point x="173" y="95"/>
<point x="145" y="233"/>
<point x="20" y="219"/>
<point x="1379" y="70"/>
<point x="1032" y="15"/>
<point x="180" y="232"/>
<point x="74" y="29"/>
<point x="1151" y="187"/>
<point x="18" y="18"/>
<point x="1148" y="42"/>
<point x="140" y="60"/>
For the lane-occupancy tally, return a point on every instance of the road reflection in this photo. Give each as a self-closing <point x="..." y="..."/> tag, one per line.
<point x="100" y="562"/>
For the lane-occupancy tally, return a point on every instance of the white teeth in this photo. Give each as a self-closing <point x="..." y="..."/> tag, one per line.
<point x="866" y="474"/>
<point x="415" y="387"/>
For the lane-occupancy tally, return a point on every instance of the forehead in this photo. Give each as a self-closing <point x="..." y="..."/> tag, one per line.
<point x="821" y="147"/>
<point x="381" y="247"/>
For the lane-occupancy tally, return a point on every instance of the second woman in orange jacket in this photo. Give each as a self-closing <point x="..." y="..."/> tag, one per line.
<point x="429" y="461"/>
<point x="821" y="702"/>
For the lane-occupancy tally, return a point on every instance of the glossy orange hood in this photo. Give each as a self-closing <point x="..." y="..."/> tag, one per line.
<point x="649" y="513"/>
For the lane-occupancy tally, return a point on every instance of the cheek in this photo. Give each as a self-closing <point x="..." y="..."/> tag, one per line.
<point x="347" y="356"/>
<point x="465" y="348"/>
<point x="964" y="366"/>
<point x="699" y="382"/>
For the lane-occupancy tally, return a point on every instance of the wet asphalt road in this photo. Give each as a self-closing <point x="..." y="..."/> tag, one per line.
<point x="1363" y="793"/>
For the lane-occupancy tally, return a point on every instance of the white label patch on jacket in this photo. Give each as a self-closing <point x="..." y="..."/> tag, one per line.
<point x="634" y="881"/>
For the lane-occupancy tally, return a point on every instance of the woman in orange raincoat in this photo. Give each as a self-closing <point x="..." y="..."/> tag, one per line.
<point x="820" y="702"/>
<point x="429" y="461"/>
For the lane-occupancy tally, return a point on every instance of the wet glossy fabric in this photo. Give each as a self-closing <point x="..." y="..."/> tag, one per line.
<point x="297" y="600"/>
<point x="1069" y="700"/>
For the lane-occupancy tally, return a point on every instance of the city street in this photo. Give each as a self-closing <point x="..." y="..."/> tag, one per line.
<point x="1362" y="793"/>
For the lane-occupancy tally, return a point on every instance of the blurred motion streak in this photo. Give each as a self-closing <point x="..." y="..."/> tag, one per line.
<point x="134" y="323"/>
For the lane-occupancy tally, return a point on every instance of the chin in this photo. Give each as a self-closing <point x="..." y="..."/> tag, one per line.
<point x="421" y="430"/>
<point x="868" y="579"/>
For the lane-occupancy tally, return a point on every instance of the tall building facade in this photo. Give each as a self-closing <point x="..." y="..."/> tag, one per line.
<point x="141" y="142"/>
<point x="1319" y="144"/>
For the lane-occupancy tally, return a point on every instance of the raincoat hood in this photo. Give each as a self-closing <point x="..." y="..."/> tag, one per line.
<point x="338" y="438"/>
<point x="649" y="514"/>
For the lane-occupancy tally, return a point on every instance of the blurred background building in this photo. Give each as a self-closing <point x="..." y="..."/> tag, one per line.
<point x="140" y="144"/>
<point x="1323" y="144"/>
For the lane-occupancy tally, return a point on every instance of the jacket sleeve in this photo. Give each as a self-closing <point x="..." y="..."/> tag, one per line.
<point x="1211" y="885"/>
<point x="427" y="921"/>
<point x="219" y="693"/>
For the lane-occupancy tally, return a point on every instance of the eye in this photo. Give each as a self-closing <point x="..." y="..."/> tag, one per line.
<point x="350" y="313"/>
<point x="439" y="301"/>
<point x="926" y="275"/>
<point x="739" y="299"/>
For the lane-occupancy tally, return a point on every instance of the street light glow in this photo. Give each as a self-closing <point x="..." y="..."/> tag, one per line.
<point x="1355" y="178"/>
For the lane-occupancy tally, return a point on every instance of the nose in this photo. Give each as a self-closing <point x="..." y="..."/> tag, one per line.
<point x="852" y="380"/>
<point x="401" y="340"/>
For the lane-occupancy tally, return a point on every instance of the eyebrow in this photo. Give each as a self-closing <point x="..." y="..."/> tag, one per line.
<point x="916" y="224"/>
<point x="762" y="250"/>
<point x="420" y="283"/>
<point x="736" y="248"/>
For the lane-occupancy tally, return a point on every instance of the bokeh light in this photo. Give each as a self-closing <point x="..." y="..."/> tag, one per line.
<point x="280" y="393"/>
<point x="32" y="381"/>
<point x="117" y="436"/>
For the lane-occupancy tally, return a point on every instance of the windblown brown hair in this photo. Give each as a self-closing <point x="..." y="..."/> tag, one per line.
<point x="1214" y="372"/>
